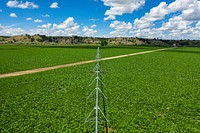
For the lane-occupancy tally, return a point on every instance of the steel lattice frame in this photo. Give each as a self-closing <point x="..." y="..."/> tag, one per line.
<point x="97" y="74"/>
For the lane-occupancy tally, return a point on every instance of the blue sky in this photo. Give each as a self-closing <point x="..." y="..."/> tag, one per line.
<point x="166" y="19"/>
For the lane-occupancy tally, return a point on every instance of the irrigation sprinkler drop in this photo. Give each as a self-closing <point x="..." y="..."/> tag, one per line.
<point x="96" y="111"/>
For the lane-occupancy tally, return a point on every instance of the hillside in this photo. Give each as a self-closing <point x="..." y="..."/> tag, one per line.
<point x="57" y="40"/>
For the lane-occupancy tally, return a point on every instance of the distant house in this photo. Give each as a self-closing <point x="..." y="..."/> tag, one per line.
<point x="174" y="45"/>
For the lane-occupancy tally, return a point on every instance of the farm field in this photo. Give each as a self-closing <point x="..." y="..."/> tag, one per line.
<point x="155" y="92"/>
<point x="18" y="58"/>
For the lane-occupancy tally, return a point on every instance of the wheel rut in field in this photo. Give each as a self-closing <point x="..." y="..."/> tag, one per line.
<point x="19" y="73"/>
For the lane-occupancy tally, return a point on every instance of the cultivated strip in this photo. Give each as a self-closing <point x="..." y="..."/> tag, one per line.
<point x="19" y="73"/>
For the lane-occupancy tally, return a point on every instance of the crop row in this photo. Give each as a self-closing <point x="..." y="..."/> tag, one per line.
<point x="18" y="58"/>
<point x="157" y="92"/>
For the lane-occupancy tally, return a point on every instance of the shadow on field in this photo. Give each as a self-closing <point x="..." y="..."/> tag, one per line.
<point x="183" y="51"/>
<point x="9" y="49"/>
<point x="95" y="47"/>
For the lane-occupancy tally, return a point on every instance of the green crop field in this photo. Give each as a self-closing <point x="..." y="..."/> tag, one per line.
<point x="155" y="92"/>
<point x="18" y="58"/>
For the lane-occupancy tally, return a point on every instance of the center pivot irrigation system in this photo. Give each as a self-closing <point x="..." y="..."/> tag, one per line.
<point x="96" y="101"/>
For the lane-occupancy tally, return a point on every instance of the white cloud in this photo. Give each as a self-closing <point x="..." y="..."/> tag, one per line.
<point x="176" y="23"/>
<point x="185" y="14"/>
<point x="110" y="17"/>
<point x="120" y="28"/>
<point x="68" y="23"/>
<point x="16" y="4"/>
<point x="94" y="19"/>
<point x="179" y="32"/>
<point x="190" y="33"/>
<point x="142" y="24"/>
<point x="198" y="25"/>
<point x="46" y="16"/>
<point x="190" y="10"/>
<point x="179" y="5"/>
<point x="192" y="13"/>
<point x="13" y="15"/>
<point x="156" y="13"/>
<point x="1" y="10"/>
<point x="119" y="7"/>
<point x="1" y="28"/>
<point x="93" y="26"/>
<point x="37" y="21"/>
<point x="89" y="31"/>
<point x="148" y="33"/>
<point x="54" y="5"/>
<point x="46" y="26"/>
<point x="10" y="31"/>
<point x="70" y="28"/>
<point x="28" y="19"/>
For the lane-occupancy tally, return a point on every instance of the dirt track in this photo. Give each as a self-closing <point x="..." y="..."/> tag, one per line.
<point x="19" y="73"/>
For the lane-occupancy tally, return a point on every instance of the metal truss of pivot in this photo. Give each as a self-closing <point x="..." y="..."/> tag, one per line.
<point x="96" y="110"/>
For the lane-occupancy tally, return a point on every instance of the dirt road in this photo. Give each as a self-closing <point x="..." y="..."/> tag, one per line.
<point x="19" y="73"/>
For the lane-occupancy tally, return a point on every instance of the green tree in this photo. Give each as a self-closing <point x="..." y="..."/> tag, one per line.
<point x="104" y="43"/>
